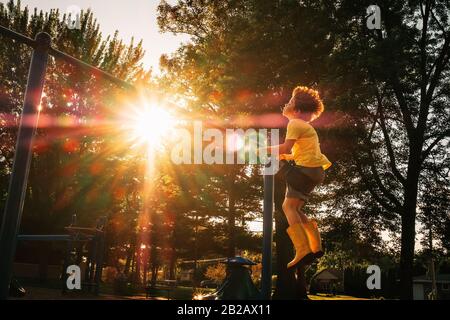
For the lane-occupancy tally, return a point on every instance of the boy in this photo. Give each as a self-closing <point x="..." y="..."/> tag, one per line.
<point x="302" y="149"/>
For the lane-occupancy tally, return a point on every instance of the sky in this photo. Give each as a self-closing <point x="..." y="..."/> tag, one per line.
<point x="131" y="17"/>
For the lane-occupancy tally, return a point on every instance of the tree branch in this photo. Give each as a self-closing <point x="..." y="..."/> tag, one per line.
<point x="439" y="66"/>
<point x="441" y="27"/>
<point x="439" y="137"/>
<point x="426" y="97"/>
<point x="397" y="88"/>
<point x="380" y="200"/>
<point x="406" y="114"/>
<point x="426" y="101"/>
<point x="376" y="176"/>
<point x="392" y="160"/>
<point x="423" y="45"/>
<point x="380" y="184"/>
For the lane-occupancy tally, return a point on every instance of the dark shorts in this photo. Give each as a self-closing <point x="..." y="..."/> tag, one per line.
<point x="315" y="177"/>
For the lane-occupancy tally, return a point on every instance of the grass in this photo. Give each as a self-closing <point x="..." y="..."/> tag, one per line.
<point x="51" y="289"/>
<point x="322" y="296"/>
<point x="180" y="293"/>
<point x="49" y="292"/>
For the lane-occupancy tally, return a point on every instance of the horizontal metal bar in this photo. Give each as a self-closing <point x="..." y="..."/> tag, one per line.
<point x="17" y="36"/>
<point x="44" y="237"/>
<point x="94" y="70"/>
<point x="74" y="61"/>
<point x="50" y="237"/>
<point x="69" y="59"/>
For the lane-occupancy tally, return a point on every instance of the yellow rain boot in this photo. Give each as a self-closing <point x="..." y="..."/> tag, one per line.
<point x="315" y="243"/>
<point x="300" y="240"/>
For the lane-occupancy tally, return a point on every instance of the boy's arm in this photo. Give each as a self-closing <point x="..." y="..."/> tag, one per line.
<point x="281" y="148"/>
<point x="294" y="131"/>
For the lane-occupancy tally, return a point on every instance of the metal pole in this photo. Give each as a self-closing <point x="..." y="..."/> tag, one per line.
<point x="18" y="183"/>
<point x="99" y="261"/>
<point x="266" y="274"/>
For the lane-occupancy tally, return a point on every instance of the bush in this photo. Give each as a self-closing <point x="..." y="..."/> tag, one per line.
<point x="216" y="272"/>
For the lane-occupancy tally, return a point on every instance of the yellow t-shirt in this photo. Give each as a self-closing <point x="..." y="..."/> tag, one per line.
<point x="306" y="150"/>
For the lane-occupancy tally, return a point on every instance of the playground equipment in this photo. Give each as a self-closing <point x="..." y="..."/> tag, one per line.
<point x="42" y="48"/>
<point x="238" y="284"/>
<point x="268" y="207"/>
<point x="80" y="242"/>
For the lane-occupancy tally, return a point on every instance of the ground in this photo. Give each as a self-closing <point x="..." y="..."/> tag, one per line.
<point x="35" y="293"/>
<point x="336" y="297"/>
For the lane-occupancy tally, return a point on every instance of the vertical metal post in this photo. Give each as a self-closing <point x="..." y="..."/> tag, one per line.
<point x="18" y="183"/>
<point x="100" y="239"/>
<point x="99" y="261"/>
<point x="89" y="261"/>
<point x="266" y="274"/>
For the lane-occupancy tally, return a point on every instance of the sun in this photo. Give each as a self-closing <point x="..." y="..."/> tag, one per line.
<point x="148" y="125"/>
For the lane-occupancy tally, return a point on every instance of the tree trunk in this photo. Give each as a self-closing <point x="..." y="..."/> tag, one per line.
<point x="133" y="266"/>
<point x="145" y="263"/>
<point x="301" y="292"/>
<point x="287" y="286"/>
<point x="231" y="216"/>
<point x="195" y="251"/>
<point x="409" y="223"/>
<point x="154" y="274"/>
<point x="407" y="256"/>
<point x="130" y="253"/>
<point x="137" y="275"/>
<point x="172" y="265"/>
<point x="173" y="255"/>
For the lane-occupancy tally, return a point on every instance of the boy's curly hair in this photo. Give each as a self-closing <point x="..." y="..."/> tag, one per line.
<point x="308" y="100"/>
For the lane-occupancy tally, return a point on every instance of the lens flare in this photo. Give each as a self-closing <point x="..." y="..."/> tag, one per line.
<point x="148" y="125"/>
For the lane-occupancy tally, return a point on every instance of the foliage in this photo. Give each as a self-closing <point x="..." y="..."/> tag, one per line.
<point x="386" y="93"/>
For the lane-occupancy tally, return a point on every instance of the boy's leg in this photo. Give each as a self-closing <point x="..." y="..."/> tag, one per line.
<point x="301" y="213"/>
<point x="309" y="226"/>
<point x="290" y="206"/>
<point x="292" y="209"/>
<point x="296" y="232"/>
<point x="293" y="203"/>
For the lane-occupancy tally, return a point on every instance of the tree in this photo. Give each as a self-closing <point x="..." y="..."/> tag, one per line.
<point x="82" y="165"/>
<point x="244" y="58"/>
<point x="397" y="81"/>
<point x="209" y="100"/>
<point x="73" y="169"/>
<point x="388" y="87"/>
<point x="242" y="61"/>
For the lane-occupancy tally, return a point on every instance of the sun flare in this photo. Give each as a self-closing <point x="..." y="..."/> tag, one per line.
<point x="149" y="125"/>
